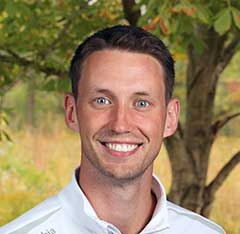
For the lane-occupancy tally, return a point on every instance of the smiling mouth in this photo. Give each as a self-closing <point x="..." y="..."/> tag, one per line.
<point x="121" y="147"/>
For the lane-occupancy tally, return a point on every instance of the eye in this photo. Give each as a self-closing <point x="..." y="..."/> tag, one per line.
<point x="142" y="103"/>
<point x="102" y="101"/>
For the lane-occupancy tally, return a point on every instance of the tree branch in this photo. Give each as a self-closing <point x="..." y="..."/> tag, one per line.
<point x="217" y="125"/>
<point x="51" y="46"/>
<point x="223" y="174"/>
<point x="12" y="58"/>
<point x="130" y="13"/>
<point x="227" y="54"/>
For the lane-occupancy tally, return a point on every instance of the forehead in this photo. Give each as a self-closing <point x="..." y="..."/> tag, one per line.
<point x="110" y="57"/>
<point x="121" y="69"/>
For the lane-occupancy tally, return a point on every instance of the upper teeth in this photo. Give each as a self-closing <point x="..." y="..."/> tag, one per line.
<point x="121" y="147"/>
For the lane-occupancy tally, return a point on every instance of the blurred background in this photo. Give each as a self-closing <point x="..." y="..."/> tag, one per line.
<point x="199" y="165"/>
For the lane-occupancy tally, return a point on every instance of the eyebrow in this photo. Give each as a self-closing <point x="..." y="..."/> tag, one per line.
<point x="142" y="93"/>
<point x="105" y="91"/>
<point x="138" y="93"/>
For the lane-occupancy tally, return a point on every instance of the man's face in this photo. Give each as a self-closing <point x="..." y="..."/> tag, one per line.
<point x="121" y="112"/>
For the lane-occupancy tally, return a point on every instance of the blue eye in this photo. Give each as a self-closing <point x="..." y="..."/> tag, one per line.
<point x="142" y="103"/>
<point x="102" y="101"/>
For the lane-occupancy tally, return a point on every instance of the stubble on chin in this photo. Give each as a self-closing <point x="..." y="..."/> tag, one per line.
<point x="120" y="176"/>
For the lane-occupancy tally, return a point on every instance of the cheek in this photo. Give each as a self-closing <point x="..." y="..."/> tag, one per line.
<point x="90" y="121"/>
<point x="153" y="127"/>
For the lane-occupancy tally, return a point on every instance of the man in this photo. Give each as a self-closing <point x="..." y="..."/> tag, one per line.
<point x="121" y="105"/>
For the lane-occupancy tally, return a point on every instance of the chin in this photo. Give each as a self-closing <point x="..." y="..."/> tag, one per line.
<point x="122" y="175"/>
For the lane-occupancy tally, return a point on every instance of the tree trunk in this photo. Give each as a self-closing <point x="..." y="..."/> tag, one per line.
<point x="189" y="149"/>
<point x="189" y="152"/>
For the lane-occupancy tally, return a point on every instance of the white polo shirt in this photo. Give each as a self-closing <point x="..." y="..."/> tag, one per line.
<point x="70" y="212"/>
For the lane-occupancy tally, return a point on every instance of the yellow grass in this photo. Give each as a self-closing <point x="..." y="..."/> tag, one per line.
<point x="39" y="164"/>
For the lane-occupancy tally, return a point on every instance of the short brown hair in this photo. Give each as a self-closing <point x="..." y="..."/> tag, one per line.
<point x="128" y="38"/>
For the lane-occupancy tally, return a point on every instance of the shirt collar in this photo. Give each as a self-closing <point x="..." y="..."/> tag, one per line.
<point x="159" y="220"/>
<point x="76" y="204"/>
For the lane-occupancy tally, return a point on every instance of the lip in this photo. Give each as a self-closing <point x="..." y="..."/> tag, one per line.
<point x="121" y="154"/>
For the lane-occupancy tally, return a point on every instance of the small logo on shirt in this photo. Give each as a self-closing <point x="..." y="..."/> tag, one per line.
<point x="49" y="231"/>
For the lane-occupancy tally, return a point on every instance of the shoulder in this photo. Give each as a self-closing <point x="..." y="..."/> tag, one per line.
<point x="33" y="218"/>
<point x="185" y="221"/>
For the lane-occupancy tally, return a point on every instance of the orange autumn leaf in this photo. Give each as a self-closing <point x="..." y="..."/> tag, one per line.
<point x="163" y="26"/>
<point x="152" y="25"/>
<point x="175" y="10"/>
<point x="189" y="11"/>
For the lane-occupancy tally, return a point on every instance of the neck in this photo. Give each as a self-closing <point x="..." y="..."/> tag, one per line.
<point x="128" y="206"/>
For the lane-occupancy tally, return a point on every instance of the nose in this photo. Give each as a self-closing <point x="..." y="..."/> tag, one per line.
<point x="120" y="119"/>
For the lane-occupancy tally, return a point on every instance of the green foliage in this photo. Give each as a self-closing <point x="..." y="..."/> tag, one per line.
<point x="178" y="22"/>
<point x="236" y="16"/>
<point x="42" y="34"/>
<point x="37" y="39"/>
<point x="46" y="102"/>
<point x="223" y="21"/>
<point x="184" y="24"/>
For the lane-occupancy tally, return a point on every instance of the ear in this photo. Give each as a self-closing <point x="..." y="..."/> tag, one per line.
<point x="70" y="112"/>
<point x="173" y="111"/>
